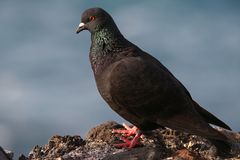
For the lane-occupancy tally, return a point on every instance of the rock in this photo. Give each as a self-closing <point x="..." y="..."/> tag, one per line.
<point x="9" y="153"/>
<point x="5" y="154"/>
<point x="186" y="155"/>
<point x="142" y="153"/>
<point x="22" y="157"/>
<point x="158" y="144"/>
<point x="57" y="146"/>
<point x="103" y="132"/>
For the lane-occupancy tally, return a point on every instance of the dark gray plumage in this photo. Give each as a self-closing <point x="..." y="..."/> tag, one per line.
<point x="139" y="88"/>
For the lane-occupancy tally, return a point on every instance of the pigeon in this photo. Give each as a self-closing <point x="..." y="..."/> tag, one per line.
<point x="141" y="89"/>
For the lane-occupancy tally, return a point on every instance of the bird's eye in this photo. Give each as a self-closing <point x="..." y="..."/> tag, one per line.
<point x="91" y="18"/>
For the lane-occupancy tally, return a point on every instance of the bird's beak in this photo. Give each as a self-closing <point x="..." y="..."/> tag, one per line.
<point x="80" y="27"/>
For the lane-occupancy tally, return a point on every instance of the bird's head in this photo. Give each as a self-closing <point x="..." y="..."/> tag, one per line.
<point x="94" y="19"/>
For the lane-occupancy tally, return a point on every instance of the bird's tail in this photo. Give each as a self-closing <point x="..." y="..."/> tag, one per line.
<point x="209" y="117"/>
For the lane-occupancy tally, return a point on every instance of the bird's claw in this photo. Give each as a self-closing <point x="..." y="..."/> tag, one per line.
<point x="128" y="131"/>
<point x="127" y="143"/>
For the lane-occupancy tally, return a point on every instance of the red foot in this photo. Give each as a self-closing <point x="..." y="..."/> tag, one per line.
<point x="129" y="143"/>
<point x="128" y="131"/>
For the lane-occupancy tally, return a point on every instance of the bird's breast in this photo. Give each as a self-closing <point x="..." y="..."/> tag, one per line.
<point x="103" y="79"/>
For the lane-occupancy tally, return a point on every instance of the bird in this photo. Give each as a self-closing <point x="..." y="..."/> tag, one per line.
<point x="141" y="89"/>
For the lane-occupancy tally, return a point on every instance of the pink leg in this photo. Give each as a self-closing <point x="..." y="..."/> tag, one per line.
<point x="128" y="131"/>
<point x="129" y="143"/>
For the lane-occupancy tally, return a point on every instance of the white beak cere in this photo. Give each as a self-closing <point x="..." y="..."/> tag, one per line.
<point x="81" y="24"/>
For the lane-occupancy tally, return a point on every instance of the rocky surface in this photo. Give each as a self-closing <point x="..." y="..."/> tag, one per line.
<point x="98" y="144"/>
<point x="5" y="154"/>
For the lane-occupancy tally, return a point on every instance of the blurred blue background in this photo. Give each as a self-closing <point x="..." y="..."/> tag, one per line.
<point x="46" y="83"/>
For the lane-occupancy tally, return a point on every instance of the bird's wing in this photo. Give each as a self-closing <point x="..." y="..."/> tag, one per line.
<point x="150" y="92"/>
<point x="207" y="116"/>
<point x="137" y="83"/>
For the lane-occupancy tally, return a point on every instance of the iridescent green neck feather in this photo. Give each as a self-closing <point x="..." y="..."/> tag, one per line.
<point x="107" y="42"/>
<point x="107" y="37"/>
